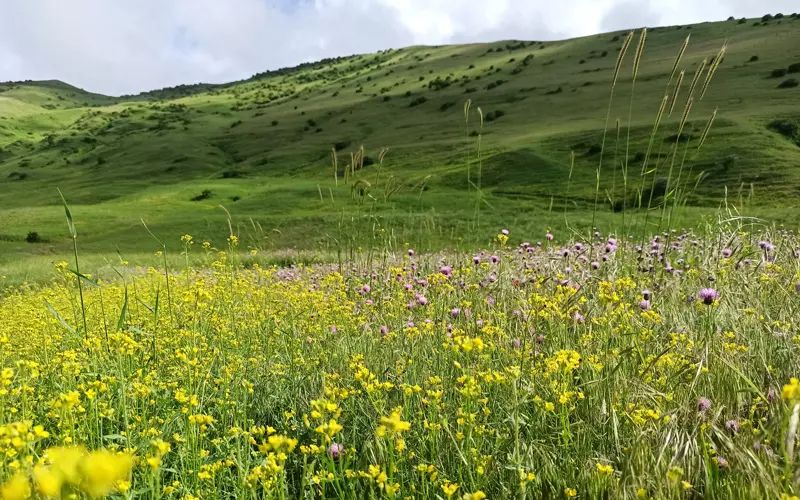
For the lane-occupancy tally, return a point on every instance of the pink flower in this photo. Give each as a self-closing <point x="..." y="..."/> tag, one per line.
<point x="708" y="296"/>
<point x="335" y="450"/>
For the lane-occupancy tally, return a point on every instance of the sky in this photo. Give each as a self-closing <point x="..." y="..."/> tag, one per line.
<point x="120" y="47"/>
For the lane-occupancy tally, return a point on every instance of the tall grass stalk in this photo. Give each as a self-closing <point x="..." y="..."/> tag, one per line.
<point x="74" y="235"/>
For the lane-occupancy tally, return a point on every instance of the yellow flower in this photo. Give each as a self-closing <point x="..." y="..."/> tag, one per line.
<point x="65" y="462"/>
<point x="102" y="471"/>
<point x="570" y="492"/>
<point x="330" y="429"/>
<point x="478" y="495"/>
<point x="449" y="488"/>
<point x="392" y="424"/>
<point x="17" y="488"/>
<point x="791" y="391"/>
<point x="604" y="469"/>
<point x="48" y="481"/>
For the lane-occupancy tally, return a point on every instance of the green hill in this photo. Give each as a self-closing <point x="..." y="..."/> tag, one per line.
<point x="261" y="147"/>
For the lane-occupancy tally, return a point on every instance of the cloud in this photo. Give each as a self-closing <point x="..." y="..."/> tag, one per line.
<point x="119" y="47"/>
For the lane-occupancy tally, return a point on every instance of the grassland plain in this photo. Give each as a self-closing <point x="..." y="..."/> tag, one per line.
<point x="262" y="147"/>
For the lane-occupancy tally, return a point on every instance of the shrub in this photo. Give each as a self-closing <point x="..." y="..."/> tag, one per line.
<point x="766" y="17"/>
<point x="204" y="195"/>
<point x="777" y="73"/>
<point x="417" y="101"/>
<point x="232" y="174"/>
<point x="788" y="84"/>
<point x="495" y="84"/>
<point x="33" y="237"/>
<point x="741" y="21"/>
<point x="274" y="123"/>
<point x="340" y="145"/>
<point x="494" y="115"/>
<point x="594" y="149"/>
<point x="793" y="68"/>
<point x="446" y="106"/>
<point x="753" y="59"/>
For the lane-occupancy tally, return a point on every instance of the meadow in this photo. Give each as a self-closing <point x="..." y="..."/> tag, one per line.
<point x="548" y="369"/>
<point x="481" y="320"/>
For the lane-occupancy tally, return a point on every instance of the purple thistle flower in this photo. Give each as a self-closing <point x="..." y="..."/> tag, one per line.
<point x="476" y="260"/>
<point x="505" y="232"/>
<point x="335" y="450"/>
<point x="446" y="270"/>
<point x="644" y="305"/>
<point x="646" y="294"/>
<point x="722" y="462"/>
<point x="411" y="252"/>
<point x="703" y="405"/>
<point x="454" y="312"/>
<point x="732" y="426"/>
<point x="495" y="259"/>
<point x="516" y="343"/>
<point x="384" y="330"/>
<point x="708" y="295"/>
<point x="727" y="252"/>
<point x="595" y="265"/>
<point x="578" y="317"/>
<point x="549" y="236"/>
<point x="422" y="300"/>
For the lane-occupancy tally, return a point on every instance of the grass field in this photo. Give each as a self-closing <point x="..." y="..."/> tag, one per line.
<point x="262" y="147"/>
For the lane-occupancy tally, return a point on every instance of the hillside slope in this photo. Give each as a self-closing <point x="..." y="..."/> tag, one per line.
<point x="262" y="146"/>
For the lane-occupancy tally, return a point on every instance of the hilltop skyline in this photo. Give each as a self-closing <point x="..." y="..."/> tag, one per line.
<point x="126" y="48"/>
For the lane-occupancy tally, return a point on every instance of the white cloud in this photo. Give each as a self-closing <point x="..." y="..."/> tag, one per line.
<point x="118" y="47"/>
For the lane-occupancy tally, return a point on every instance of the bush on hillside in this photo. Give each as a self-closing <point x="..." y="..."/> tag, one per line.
<point x="204" y="195"/>
<point x="788" y="84"/>
<point x="777" y="73"/>
<point x="790" y="129"/>
<point x="33" y="237"/>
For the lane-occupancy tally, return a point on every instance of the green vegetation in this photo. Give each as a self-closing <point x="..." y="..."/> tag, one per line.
<point x="263" y="148"/>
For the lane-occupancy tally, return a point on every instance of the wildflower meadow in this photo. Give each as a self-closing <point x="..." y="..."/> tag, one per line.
<point x="593" y="368"/>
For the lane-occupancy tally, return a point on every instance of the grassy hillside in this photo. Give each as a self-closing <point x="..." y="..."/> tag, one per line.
<point x="262" y="147"/>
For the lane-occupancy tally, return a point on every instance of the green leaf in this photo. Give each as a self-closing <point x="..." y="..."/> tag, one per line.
<point x="70" y="223"/>
<point x="124" y="312"/>
<point x="59" y="318"/>
<point x="84" y="278"/>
